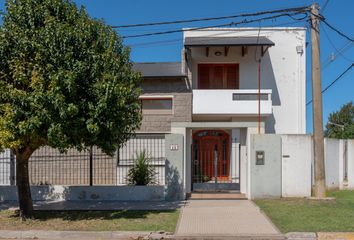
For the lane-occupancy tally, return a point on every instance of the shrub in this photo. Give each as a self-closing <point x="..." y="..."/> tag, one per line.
<point x="142" y="173"/>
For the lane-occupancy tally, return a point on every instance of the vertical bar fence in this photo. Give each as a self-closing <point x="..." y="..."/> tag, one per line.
<point x="48" y="166"/>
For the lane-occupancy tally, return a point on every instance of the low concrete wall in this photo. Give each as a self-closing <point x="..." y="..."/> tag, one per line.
<point x="78" y="193"/>
<point x="265" y="181"/>
<point x="333" y="158"/>
<point x="296" y="165"/>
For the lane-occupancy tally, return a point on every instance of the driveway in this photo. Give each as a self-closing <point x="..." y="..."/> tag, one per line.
<point x="224" y="218"/>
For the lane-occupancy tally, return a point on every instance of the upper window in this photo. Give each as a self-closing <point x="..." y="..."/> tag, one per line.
<point x="218" y="76"/>
<point x="156" y="105"/>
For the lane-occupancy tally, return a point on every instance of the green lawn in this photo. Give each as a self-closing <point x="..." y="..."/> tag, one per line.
<point x="93" y="221"/>
<point x="304" y="215"/>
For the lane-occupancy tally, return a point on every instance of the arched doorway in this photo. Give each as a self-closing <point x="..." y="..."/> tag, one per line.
<point x="211" y="156"/>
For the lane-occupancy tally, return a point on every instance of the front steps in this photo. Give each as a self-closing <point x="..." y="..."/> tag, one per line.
<point x="217" y="195"/>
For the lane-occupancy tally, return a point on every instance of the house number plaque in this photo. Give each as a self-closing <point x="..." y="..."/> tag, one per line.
<point x="174" y="147"/>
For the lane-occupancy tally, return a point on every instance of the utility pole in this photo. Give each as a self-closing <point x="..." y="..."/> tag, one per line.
<point x="318" y="140"/>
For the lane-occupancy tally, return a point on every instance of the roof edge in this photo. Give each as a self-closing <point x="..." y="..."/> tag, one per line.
<point x="245" y="28"/>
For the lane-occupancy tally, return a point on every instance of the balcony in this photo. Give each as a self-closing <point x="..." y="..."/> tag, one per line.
<point x="231" y="102"/>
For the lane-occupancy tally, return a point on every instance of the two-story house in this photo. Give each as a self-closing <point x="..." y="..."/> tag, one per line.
<point x="231" y="82"/>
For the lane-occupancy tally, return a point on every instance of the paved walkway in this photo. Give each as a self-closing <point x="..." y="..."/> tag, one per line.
<point x="224" y="217"/>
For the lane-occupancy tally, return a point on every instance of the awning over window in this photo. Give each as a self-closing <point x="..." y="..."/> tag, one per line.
<point x="227" y="41"/>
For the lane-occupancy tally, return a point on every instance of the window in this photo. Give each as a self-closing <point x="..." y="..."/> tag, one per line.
<point x="156" y="105"/>
<point x="218" y="76"/>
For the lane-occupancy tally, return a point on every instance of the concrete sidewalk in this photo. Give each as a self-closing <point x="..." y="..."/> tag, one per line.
<point x="225" y="218"/>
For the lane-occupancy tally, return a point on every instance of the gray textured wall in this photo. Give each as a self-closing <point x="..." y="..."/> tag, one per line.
<point x="174" y="167"/>
<point x="182" y="103"/>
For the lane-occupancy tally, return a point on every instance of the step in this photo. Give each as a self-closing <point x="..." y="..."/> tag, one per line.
<point x="216" y="195"/>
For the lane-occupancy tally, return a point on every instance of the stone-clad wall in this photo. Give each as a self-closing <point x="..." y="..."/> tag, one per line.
<point x="180" y="89"/>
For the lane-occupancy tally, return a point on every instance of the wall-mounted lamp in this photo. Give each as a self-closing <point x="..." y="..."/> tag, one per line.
<point x="218" y="53"/>
<point x="299" y="49"/>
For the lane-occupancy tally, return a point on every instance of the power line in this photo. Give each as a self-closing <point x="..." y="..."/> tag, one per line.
<point x="324" y="6"/>
<point x="179" y="40"/>
<point x="297" y="9"/>
<point x="333" y="82"/>
<point x="339" y="77"/>
<point x="156" y="42"/>
<point x="337" y="31"/>
<point x="331" y="58"/>
<point x="322" y="18"/>
<point x="333" y="45"/>
<point x="215" y="26"/>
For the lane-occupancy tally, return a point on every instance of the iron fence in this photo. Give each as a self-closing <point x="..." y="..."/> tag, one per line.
<point x="7" y="168"/>
<point x="155" y="151"/>
<point x="48" y="166"/>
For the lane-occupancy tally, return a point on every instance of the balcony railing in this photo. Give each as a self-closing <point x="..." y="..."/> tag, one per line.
<point x="231" y="102"/>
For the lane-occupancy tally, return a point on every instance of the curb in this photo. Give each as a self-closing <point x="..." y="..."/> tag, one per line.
<point x="90" y="235"/>
<point x="53" y="235"/>
<point x="301" y="236"/>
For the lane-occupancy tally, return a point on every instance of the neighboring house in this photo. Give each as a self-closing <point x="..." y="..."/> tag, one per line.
<point x="211" y="98"/>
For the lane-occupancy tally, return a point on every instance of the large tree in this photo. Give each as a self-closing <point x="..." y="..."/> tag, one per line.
<point x="65" y="80"/>
<point x="341" y="123"/>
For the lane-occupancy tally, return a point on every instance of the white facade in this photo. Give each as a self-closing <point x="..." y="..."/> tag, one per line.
<point x="282" y="72"/>
<point x="282" y="89"/>
<point x="221" y="102"/>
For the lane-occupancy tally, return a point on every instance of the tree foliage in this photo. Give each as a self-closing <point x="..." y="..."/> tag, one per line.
<point x="65" y="80"/>
<point x="341" y="123"/>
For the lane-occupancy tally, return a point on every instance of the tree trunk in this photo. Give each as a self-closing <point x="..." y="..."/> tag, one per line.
<point x="23" y="184"/>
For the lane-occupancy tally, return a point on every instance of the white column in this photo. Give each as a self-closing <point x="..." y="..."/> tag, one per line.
<point x="235" y="160"/>
<point x="246" y="173"/>
<point x="350" y="157"/>
<point x="341" y="159"/>
<point x="183" y="131"/>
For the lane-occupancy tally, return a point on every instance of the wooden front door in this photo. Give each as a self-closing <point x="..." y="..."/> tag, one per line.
<point x="211" y="156"/>
<point x="218" y="76"/>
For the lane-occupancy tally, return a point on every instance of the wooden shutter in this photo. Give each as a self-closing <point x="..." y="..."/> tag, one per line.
<point x="218" y="76"/>
<point x="232" y="76"/>
<point x="203" y="77"/>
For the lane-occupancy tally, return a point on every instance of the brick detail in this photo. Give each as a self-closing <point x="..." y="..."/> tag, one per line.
<point x="182" y="104"/>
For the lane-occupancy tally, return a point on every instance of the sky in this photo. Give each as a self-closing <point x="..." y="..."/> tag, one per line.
<point x="338" y="13"/>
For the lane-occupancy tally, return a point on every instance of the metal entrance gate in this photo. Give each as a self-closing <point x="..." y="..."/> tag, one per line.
<point x="212" y="168"/>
